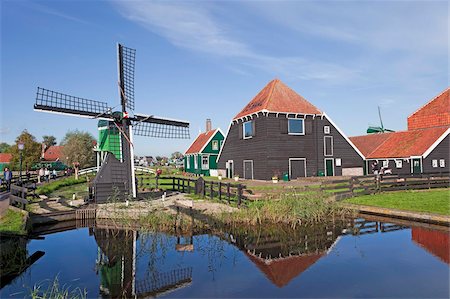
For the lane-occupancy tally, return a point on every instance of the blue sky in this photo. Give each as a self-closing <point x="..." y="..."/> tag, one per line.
<point x="204" y="59"/>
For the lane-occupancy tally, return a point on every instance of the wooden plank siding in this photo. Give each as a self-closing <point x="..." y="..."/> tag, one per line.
<point x="272" y="146"/>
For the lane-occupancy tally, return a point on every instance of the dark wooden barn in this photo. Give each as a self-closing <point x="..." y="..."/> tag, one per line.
<point x="280" y="132"/>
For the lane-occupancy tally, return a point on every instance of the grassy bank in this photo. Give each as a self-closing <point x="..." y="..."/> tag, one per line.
<point x="290" y="208"/>
<point x="51" y="187"/>
<point x="426" y="201"/>
<point x="13" y="222"/>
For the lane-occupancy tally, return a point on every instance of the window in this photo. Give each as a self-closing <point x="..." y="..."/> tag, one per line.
<point x="442" y="163"/>
<point x="205" y="162"/>
<point x="398" y="163"/>
<point x="296" y="126"/>
<point x="328" y="146"/>
<point x="326" y="129"/>
<point x="338" y="162"/>
<point x="248" y="129"/>
<point x="385" y="163"/>
<point x="215" y="145"/>
<point x="195" y="161"/>
<point x="434" y="163"/>
<point x="188" y="162"/>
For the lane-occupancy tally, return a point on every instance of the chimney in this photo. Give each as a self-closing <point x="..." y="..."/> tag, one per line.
<point x="208" y="124"/>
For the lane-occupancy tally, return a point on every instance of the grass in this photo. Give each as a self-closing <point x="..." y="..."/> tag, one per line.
<point x="12" y="222"/>
<point x="80" y="191"/>
<point x="429" y="201"/>
<point x="290" y="208"/>
<point x="54" y="290"/>
<point x="51" y="187"/>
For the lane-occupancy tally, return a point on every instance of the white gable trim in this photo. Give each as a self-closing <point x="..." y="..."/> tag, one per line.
<point x="343" y="135"/>
<point x="210" y="138"/>
<point x="224" y="141"/>
<point x="436" y="143"/>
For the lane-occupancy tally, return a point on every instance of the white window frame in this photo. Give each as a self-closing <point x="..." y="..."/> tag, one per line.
<point x="188" y="162"/>
<point x="216" y="143"/>
<point x="442" y="163"/>
<point x="338" y="162"/>
<point x="243" y="168"/>
<point x="385" y="163"/>
<point x="398" y="164"/>
<point x="195" y="161"/>
<point x="303" y="126"/>
<point x="434" y="163"/>
<point x="325" y="146"/>
<point x="326" y="129"/>
<point x="243" y="129"/>
<point x="290" y="167"/>
<point x="205" y="166"/>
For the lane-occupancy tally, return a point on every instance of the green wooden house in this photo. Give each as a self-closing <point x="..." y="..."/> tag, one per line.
<point x="201" y="157"/>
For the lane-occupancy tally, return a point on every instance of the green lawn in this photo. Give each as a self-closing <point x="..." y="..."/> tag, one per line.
<point x="429" y="201"/>
<point x="12" y="222"/>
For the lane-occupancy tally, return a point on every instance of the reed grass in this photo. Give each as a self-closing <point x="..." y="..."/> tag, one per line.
<point x="53" y="290"/>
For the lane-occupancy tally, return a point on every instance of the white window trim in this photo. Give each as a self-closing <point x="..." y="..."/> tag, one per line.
<point x="212" y="145"/>
<point x="231" y="168"/>
<point x="325" y="166"/>
<point x="243" y="130"/>
<point x="326" y="129"/>
<point x="385" y="163"/>
<point x="243" y="166"/>
<point x="207" y="164"/>
<point x="188" y="161"/>
<point x="441" y="163"/>
<point x="412" y="163"/>
<point x="296" y="159"/>
<point x="336" y="162"/>
<point x="195" y="161"/>
<point x="303" y="126"/>
<point x="325" y="144"/>
<point x="434" y="163"/>
<point x="397" y="163"/>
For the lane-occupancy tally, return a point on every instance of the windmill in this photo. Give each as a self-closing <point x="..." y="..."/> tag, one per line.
<point x="116" y="174"/>
<point x="380" y="129"/>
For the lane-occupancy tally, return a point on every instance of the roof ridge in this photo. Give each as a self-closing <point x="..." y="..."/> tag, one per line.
<point x="427" y="103"/>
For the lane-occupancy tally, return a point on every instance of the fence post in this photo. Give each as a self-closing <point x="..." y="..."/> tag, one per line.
<point x="429" y="183"/>
<point x="204" y="188"/>
<point x="228" y="192"/>
<point x="220" y="190"/>
<point x="173" y="183"/>
<point x="183" y="184"/>
<point x="351" y="186"/>
<point x="212" y="190"/>
<point x="189" y="186"/>
<point x="239" y="195"/>
<point x="157" y="183"/>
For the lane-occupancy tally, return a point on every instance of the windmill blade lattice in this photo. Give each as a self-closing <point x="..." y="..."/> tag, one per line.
<point x="52" y="101"/>
<point x="126" y="75"/>
<point x="160" y="130"/>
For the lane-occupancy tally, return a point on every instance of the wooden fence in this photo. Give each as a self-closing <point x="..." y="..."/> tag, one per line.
<point x="363" y="185"/>
<point x="223" y="191"/>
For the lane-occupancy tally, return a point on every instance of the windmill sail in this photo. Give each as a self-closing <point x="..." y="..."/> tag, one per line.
<point x="52" y="101"/>
<point x="126" y="75"/>
<point x="151" y="126"/>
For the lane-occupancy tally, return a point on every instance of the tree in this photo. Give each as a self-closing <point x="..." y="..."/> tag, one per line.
<point x="78" y="148"/>
<point x="49" y="140"/>
<point x="176" y="156"/>
<point x="31" y="152"/>
<point x="4" y="147"/>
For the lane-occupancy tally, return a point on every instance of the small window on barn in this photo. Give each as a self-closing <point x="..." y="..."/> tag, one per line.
<point x="338" y="162"/>
<point x="442" y="163"/>
<point x="385" y="163"/>
<point x="296" y="126"/>
<point x="398" y="163"/>
<point x="215" y="145"/>
<point x="328" y="146"/>
<point x="434" y="163"/>
<point x="248" y="130"/>
<point x="205" y="162"/>
<point x="326" y="129"/>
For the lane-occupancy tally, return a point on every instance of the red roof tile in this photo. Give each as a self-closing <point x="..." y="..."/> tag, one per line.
<point x="5" y="158"/>
<point x="282" y="271"/>
<point x="54" y="153"/>
<point x="200" y="142"/>
<point x="278" y="97"/>
<point x="434" y="113"/>
<point x="398" y="144"/>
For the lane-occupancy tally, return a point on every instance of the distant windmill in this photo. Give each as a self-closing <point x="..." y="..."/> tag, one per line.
<point x="117" y="171"/>
<point x="380" y="129"/>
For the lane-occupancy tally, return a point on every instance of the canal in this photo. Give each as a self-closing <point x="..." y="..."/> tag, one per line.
<point x="353" y="258"/>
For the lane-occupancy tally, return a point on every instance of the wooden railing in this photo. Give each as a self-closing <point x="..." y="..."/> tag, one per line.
<point x="223" y="191"/>
<point x="363" y="185"/>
